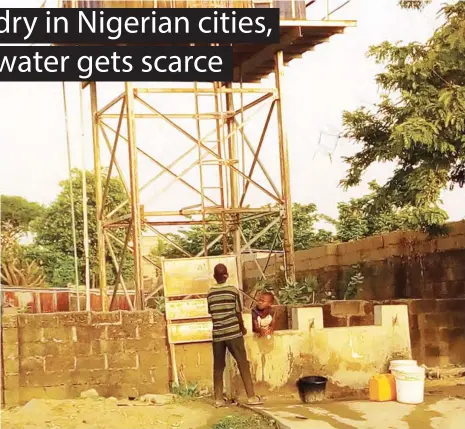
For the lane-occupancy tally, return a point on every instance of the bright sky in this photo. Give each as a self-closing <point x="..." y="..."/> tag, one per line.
<point x="336" y="76"/>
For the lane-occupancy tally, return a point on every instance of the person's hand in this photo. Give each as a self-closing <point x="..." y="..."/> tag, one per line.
<point x="244" y="330"/>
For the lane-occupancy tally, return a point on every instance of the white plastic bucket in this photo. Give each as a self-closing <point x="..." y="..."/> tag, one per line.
<point x="410" y="385"/>
<point x="402" y="365"/>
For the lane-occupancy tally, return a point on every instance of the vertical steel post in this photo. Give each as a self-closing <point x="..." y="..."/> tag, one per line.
<point x="285" y="173"/>
<point x="101" y="253"/>
<point x="234" y="179"/>
<point x="135" y="204"/>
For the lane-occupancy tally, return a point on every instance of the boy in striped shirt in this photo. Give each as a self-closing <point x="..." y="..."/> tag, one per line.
<point x="225" y="308"/>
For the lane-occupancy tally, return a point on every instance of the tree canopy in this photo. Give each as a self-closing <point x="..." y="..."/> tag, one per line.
<point x="19" y="212"/>
<point x="361" y="217"/>
<point x="419" y="123"/>
<point x="53" y="244"/>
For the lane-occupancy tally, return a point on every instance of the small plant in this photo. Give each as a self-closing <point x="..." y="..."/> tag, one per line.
<point x="241" y="422"/>
<point x="159" y="301"/>
<point x="353" y="285"/>
<point x="307" y="291"/>
<point x="190" y="390"/>
<point x="15" y="270"/>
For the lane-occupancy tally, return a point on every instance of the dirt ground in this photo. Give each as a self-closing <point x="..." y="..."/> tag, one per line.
<point x="444" y="408"/>
<point x="103" y="413"/>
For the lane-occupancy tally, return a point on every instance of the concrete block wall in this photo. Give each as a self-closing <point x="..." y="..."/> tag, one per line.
<point x="59" y="355"/>
<point x="348" y="356"/>
<point x="437" y="326"/>
<point x="399" y="265"/>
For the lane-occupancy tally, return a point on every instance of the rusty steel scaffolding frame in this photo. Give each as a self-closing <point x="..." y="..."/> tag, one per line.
<point x="223" y="148"/>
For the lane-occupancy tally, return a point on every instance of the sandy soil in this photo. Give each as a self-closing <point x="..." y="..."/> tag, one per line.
<point x="109" y="414"/>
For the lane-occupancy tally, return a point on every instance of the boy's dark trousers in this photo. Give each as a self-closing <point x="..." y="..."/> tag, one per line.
<point x="237" y="349"/>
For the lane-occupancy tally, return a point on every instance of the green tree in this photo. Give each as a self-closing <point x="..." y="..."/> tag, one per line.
<point x="414" y="4"/>
<point x="19" y="212"/>
<point x="305" y="234"/>
<point x="362" y="217"/>
<point x="53" y="244"/>
<point x="419" y="124"/>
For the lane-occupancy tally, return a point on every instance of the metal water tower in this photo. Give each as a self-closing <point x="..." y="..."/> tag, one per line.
<point x="219" y="163"/>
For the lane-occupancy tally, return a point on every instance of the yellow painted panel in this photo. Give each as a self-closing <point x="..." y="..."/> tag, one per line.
<point x="194" y="276"/>
<point x="179" y="333"/>
<point x="187" y="309"/>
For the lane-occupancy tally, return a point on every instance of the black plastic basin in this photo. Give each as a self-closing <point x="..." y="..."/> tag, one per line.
<point x="312" y="389"/>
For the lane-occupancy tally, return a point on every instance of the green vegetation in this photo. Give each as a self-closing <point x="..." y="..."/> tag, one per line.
<point x="419" y="123"/>
<point x="186" y="391"/>
<point x="19" y="212"/>
<point x="52" y="249"/>
<point x="242" y="422"/>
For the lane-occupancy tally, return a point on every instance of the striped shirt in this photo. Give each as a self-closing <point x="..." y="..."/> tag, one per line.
<point x="223" y="306"/>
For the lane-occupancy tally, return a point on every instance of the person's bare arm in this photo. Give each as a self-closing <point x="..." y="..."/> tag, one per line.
<point x="256" y="327"/>
<point x="273" y="324"/>
<point x="239" y="314"/>
<point x="241" y="324"/>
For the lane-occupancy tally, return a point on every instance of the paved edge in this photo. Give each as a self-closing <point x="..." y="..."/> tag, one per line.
<point x="266" y="415"/>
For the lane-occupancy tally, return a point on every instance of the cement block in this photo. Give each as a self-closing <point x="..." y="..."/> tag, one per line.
<point x="77" y="318"/>
<point x="11" y="382"/>
<point x="417" y="306"/>
<point x="347" y="308"/>
<point x="458" y="320"/>
<point x="38" y="349"/>
<point x="31" y="363"/>
<point x="90" y="362"/>
<point x="145" y="317"/>
<point x="84" y="377"/>
<point x="9" y="321"/>
<point x="122" y="332"/>
<point x="107" y="346"/>
<point x="43" y="379"/>
<point x="60" y="363"/>
<point x="127" y="360"/>
<point x="35" y="321"/>
<point x="111" y="318"/>
<point x="28" y="393"/>
<point x="307" y="318"/>
<point x="154" y="359"/>
<point x="30" y="335"/>
<point x="56" y="392"/>
<point x="12" y="398"/>
<point x="452" y="305"/>
<point x="10" y="335"/>
<point x="451" y="335"/>
<point x="89" y="333"/>
<point x="437" y="320"/>
<point x="82" y="348"/>
<point x="58" y="334"/>
<point x="432" y="351"/>
<point x="11" y="365"/>
<point x="125" y="376"/>
<point x="10" y="350"/>
<point x="143" y="344"/>
<point x="155" y="331"/>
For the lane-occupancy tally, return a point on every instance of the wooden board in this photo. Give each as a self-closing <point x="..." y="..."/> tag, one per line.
<point x="194" y="332"/>
<point x="194" y="276"/>
<point x="186" y="309"/>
